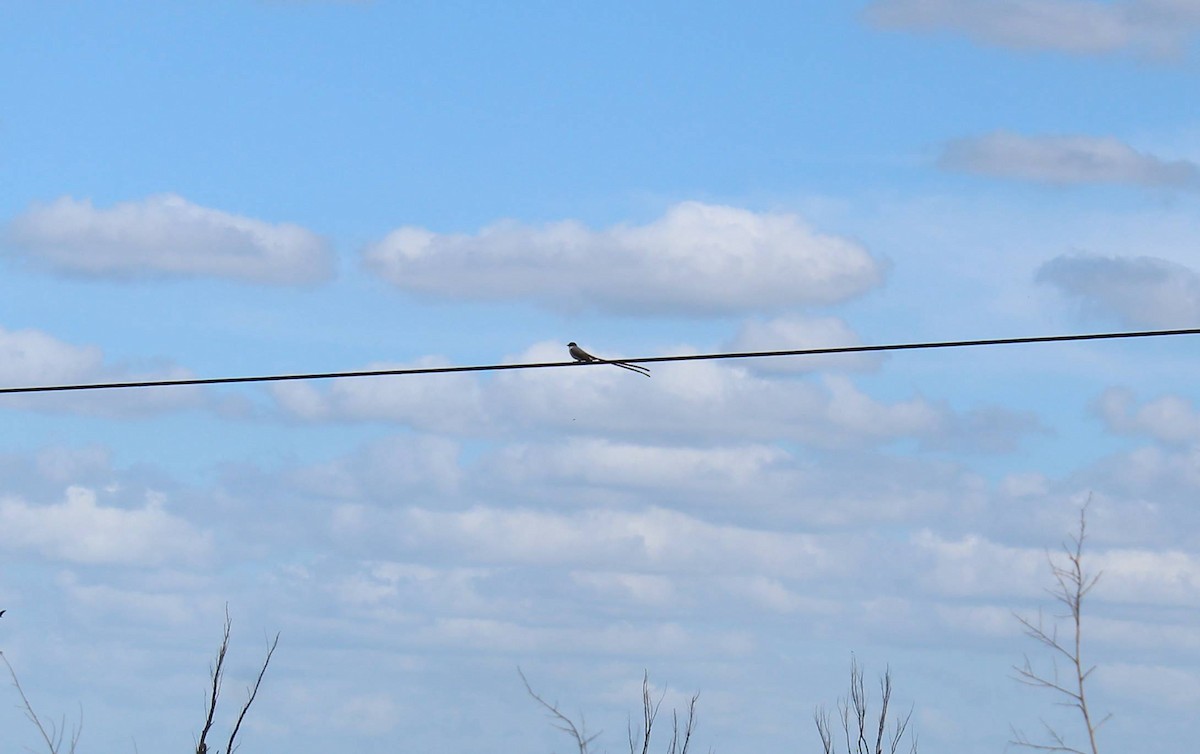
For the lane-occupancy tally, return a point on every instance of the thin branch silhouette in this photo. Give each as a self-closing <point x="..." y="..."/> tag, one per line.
<point x="639" y="741"/>
<point x="855" y="718"/>
<point x="217" y="675"/>
<point x="53" y="735"/>
<point x="1072" y="584"/>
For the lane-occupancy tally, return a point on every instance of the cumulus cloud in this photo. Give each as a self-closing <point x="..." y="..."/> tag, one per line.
<point x="1150" y="493"/>
<point x="658" y="639"/>
<point x="761" y="484"/>
<point x="696" y="259"/>
<point x="974" y="566"/>
<point x="700" y="401"/>
<point x="1066" y="160"/>
<point x="1171" y="686"/>
<point x="795" y="332"/>
<point x="166" y="236"/>
<point x="1141" y="291"/>
<point x="166" y="604"/>
<point x="1079" y="27"/>
<point x="375" y="713"/>
<point x="31" y="358"/>
<point x="594" y="463"/>
<point x="752" y="484"/>
<point x="445" y="403"/>
<point x="82" y="530"/>
<point x="384" y="469"/>
<point x="654" y="540"/>
<point x="1170" y="419"/>
<point x="388" y="582"/>
<point x="1149" y="577"/>
<point x="644" y="588"/>
<point x="989" y="429"/>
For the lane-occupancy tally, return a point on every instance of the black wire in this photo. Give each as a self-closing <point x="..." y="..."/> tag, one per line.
<point x="645" y="360"/>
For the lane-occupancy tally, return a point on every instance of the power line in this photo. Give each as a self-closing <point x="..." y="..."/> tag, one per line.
<point x="644" y="360"/>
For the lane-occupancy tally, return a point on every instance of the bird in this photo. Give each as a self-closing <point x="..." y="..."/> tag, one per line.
<point x="583" y="356"/>
<point x="2" y="612"/>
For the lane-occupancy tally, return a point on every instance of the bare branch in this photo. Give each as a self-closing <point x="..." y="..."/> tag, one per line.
<point x="854" y="713"/>
<point x="691" y="723"/>
<point x="561" y="721"/>
<point x="821" y="718"/>
<point x="53" y="737"/>
<point x="251" y="694"/>
<point x="1073" y="583"/>
<point x="885" y="689"/>
<point x="649" y="711"/>
<point x="217" y="672"/>
<point x="639" y="741"/>
<point x="677" y="746"/>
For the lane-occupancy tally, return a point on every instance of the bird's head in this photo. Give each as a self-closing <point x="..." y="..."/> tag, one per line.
<point x="572" y="345"/>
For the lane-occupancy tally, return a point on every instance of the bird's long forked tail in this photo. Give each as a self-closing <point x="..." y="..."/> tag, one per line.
<point x="583" y="356"/>
<point x="636" y="369"/>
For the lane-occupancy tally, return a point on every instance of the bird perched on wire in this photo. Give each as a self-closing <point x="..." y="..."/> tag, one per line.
<point x="581" y="355"/>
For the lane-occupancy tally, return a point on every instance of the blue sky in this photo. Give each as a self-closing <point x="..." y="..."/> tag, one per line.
<point x="232" y="188"/>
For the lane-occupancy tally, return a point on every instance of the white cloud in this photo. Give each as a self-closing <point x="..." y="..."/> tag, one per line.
<point x="975" y="567"/>
<point x="1079" y="27"/>
<point x="31" y="358"/>
<point x="697" y="401"/>
<point x="748" y="483"/>
<point x="169" y="605"/>
<point x="1066" y="160"/>
<point x="696" y="259"/>
<point x="1170" y="419"/>
<point x="1142" y="291"/>
<point x="167" y="236"/>
<point x="654" y="540"/>
<point x="796" y="332"/>
<point x="772" y="594"/>
<point x="1180" y="638"/>
<point x="443" y="402"/>
<point x="594" y="463"/>
<point x="1175" y="687"/>
<point x="1025" y="484"/>
<point x="386" y="468"/>
<point x="410" y="585"/>
<point x="655" y="639"/>
<point x="978" y="620"/>
<point x="375" y="713"/>
<point x="81" y="530"/>
<point x="1147" y="577"/>
<point x="1147" y="495"/>
<point x="644" y="588"/>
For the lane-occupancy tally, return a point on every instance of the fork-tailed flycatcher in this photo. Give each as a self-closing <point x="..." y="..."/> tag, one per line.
<point x="579" y="354"/>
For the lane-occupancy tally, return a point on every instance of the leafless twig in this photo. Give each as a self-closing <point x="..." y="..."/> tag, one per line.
<point x="649" y="715"/>
<point x="251" y="694"/>
<point x="217" y="673"/>
<point x="681" y="739"/>
<point x="561" y="721"/>
<point x="51" y="734"/>
<point x="1072" y="584"/>
<point x="854" y="714"/>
